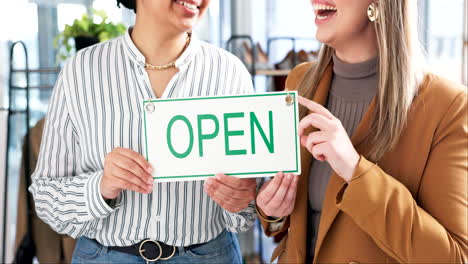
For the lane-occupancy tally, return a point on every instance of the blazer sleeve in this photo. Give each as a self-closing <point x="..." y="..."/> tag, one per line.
<point x="273" y="229"/>
<point x="432" y="227"/>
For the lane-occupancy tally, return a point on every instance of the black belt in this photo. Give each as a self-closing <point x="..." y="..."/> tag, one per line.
<point x="150" y="250"/>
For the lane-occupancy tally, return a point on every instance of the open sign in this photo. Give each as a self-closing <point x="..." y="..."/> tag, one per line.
<point x="243" y="136"/>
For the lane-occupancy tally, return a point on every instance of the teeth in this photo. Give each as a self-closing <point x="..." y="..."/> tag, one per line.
<point x="188" y="5"/>
<point x="321" y="17"/>
<point x="318" y="7"/>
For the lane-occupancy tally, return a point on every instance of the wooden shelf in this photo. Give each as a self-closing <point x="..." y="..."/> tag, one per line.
<point x="273" y="72"/>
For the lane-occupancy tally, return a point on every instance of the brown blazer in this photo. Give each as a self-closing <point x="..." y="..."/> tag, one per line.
<point x="51" y="247"/>
<point x="411" y="207"/>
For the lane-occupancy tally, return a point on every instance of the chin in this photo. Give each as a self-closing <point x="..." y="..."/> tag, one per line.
<point x="186" y="26"/>
<point x="324" y="37"/>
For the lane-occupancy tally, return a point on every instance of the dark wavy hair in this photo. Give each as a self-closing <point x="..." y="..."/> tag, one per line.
<point x="130" y="4"/>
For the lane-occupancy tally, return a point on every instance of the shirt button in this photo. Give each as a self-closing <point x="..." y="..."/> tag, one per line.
<point x="157" y="218"/>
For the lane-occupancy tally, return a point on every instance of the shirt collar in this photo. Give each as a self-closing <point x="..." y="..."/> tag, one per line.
<point x="181" y="62"/>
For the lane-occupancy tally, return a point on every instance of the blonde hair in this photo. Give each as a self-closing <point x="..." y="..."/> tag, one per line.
<point x="400" y="73"/>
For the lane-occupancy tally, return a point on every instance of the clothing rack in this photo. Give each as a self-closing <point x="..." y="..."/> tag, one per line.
<point x="253" y="67"/>
<point x="13" y="111"/>
<point x="249" y="39"/>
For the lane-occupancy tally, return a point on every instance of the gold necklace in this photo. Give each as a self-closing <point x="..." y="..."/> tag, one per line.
<point x="169" y="65"/>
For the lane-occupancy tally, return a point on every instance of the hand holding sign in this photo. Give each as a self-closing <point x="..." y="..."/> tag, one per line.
<point x="277" y="197"/>
<point x="331" y="143"/>
<point x="125" y="169"/>
<point x="231" y="193"/>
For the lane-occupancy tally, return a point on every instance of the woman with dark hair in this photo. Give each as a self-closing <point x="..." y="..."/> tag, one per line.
<point x="91" y="180"/>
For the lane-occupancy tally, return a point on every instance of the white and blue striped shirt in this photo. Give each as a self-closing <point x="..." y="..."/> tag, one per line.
<point x="96" y="107"/>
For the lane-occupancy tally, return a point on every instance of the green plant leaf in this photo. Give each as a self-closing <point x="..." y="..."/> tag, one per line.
<point x="86" y="26"/>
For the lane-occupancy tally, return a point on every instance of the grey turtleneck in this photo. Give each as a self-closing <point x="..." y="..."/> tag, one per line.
<point x="352" y="89"/>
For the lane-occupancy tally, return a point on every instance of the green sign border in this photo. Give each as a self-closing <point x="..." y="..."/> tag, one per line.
<point x="296" y="120"/>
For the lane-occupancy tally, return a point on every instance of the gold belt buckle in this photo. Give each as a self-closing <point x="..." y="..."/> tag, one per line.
<point x="142" y="250"/>
<point x="173" y="253"/>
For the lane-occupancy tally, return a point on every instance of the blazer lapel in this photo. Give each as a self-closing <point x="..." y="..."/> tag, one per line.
<point x="299" y="216"/>
<point x="330" y="210"/>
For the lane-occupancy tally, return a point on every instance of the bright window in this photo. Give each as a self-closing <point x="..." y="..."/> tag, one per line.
<point x="67" y="13"/>
<point x="445" y="38"/>
<point x="111" y="8"/>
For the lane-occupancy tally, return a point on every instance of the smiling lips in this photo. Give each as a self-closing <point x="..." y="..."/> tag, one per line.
<point x="188" y="4"/>
<point x="323" y="11"/>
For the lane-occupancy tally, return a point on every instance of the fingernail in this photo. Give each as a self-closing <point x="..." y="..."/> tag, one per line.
<point x="217" y="176"/>
<point x="150" y="169"/>
<point x="290" y="176"/>
<point x="150" y="181"/>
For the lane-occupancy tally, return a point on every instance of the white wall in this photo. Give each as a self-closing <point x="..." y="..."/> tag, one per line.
<point x="3" y="128"/>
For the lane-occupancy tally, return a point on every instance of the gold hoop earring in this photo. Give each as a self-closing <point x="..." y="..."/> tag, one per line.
<point x="373" y="12"/>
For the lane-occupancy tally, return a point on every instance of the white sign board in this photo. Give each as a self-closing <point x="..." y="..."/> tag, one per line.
<point x="244" y="136"/>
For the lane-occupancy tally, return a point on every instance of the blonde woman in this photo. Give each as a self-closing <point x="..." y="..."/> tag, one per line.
<point x="384" y="155"/>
